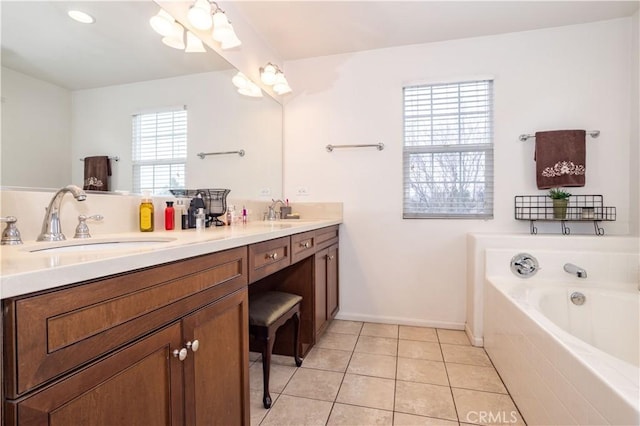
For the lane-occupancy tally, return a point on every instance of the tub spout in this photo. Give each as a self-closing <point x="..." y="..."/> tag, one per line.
<point x="575" y="270"/>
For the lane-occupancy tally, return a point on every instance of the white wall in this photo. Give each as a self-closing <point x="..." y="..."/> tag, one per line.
<point x="413" y="271"/>
<point x="219" y="120"/>
<point x="36" y="129"/>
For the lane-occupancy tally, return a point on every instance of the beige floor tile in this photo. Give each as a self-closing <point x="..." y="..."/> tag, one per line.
<point x="314" y="384"/>
<point x="345" y="327"/>
<point x="465" y="355"/>
<point x="257" y="409"/>
<point x="379" y="330"/>
<point x="423" y="334"/>
<point x="475" y="377"/>
<point x="485" y="407"/>
<point x="340" y="341"/>
<point x="425" y="400"/>
<point x="350" y="415"/>
<point x="365" y="391"/>
<point x="419" y="350"/>
<point x="294" y="411"/>
<point x="283" y="360"/>
<point x="373" y="365"/>
<point x="377" y="345"/>
<point x="423" y="371"/>
<point x="453" y="337"/>
<point x="278" y="377"/>
<point x="254" y="356"/>
<point x="327" y="359"/>
<point x="403" y="419"/>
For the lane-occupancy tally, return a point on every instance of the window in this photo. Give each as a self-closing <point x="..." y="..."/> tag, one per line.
<point x="159" y="151"/>
<point x="448" y="150"/>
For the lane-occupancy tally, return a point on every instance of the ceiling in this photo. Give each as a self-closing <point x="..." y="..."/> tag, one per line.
<point x="40" y="40"/>
<point x="303" y="28"/>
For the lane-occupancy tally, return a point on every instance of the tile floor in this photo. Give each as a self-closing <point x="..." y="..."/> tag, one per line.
<point x="381" y="374"/>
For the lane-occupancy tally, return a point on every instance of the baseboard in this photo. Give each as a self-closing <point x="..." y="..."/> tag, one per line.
<point x="475" y="341"/>
<point x="347" y="316"/>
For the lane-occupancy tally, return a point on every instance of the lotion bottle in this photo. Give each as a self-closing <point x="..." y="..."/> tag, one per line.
<point x="146" y="214"/>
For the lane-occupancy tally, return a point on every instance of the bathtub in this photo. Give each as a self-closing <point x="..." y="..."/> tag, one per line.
<point x="565" y="363"/>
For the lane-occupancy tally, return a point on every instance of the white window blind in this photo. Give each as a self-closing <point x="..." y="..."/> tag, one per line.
<point x="159" y="151"/>
<point x="448" y="150"/>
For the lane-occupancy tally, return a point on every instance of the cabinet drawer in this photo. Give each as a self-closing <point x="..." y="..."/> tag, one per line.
<point x="326" y="237"/>
<point x="268" y="257"/>
<point x="302" y="245"/>
<point x="49" y="334"/>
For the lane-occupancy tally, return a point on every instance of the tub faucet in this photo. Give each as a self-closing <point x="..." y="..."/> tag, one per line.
<point x="575" y="270"/>
<point x="51" y="229"/>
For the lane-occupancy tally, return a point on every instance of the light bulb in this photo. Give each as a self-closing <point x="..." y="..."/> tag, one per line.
<point x="200" y="15"/>
<point x="251" y="90"/>
<point x="240" y="80"/>
<point x="194" y="44"/>
<point x="176" y="38"/>
<point x="222" y="29"/>
<point x="162" y="23"/>
<point x="231" y="41"/>
<point x="268" y="74"/>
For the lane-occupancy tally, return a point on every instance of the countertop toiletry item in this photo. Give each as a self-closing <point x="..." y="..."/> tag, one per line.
<point x="169" y="216"/>
<point x="146" y="214"/>
<point x="195" y="204"/>
<point x="181" y="214"/>
<point x="200" y="219"/>
<point x="230" y="215"/>
<point x="244" y="215"/>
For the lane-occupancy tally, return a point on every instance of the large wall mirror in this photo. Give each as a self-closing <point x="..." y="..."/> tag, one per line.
<point x="69" y="91"/>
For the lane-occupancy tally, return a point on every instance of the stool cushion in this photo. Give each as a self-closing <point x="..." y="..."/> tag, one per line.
<point x="265" y="308"/>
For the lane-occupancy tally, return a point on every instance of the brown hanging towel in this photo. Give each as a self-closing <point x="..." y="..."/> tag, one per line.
<point x="560" y="157"/>
<point x="96" y="173"/>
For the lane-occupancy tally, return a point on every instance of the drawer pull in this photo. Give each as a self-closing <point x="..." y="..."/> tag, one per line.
<point x="180" y="354"/>
<point x="273" y="255"/>
<point x="330" y="257"/>
<point x="193" y="345"/>
<point x="305" y="244"/>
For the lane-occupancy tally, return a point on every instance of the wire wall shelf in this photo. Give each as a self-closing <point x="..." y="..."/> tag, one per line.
<point x="580" y="208"/>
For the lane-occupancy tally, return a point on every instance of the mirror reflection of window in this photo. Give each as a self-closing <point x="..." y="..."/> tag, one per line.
<point x="159" y="142"/>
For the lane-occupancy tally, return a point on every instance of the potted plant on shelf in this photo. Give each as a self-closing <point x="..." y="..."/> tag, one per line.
<point x="560" y="199"/>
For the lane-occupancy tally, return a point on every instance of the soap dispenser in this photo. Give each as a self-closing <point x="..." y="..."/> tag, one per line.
<point x="146" y="213"/>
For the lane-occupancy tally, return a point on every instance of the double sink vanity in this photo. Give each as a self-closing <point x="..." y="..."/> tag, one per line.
<point x="136" y="329"/>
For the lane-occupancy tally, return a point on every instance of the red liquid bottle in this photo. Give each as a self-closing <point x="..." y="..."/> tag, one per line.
<point x="169" y="221"/>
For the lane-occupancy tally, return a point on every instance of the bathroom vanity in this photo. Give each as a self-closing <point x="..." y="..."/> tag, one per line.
<point x="166" y="343"/>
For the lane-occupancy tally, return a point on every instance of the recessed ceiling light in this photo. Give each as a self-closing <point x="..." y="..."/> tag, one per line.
<point x="82" y="17"/>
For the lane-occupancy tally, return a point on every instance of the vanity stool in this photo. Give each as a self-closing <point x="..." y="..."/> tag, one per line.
<point x="268" y="311"/>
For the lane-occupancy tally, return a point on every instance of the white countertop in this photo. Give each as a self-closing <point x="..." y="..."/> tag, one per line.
<point x="24" y="271"/>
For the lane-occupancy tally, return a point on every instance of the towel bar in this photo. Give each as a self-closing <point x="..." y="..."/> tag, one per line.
<point x="116" y="158"/>
<point x="592" y="133"/>
<point x="380" y="146"/>
<point x="204" y="154"/>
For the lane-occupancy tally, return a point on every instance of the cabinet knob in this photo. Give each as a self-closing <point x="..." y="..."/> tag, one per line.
<point x="305" y="244"/>
<point x="193" y="345"/>
<point x="273" y="255"/>
<point x="180" y="354"/>
<point x="330" y="257"/>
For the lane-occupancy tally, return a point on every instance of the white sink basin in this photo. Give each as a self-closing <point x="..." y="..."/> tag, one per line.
<point x="99" y="244"/>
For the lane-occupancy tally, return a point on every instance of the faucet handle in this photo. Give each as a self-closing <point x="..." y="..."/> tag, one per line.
<point x="82" y="230"/>
<point x="11" y="234"/>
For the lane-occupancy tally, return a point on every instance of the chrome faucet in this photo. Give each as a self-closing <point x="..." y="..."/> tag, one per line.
<point x="575" y="270"/>
<point x="271" y="215"/>
<point x="51" y="229"/>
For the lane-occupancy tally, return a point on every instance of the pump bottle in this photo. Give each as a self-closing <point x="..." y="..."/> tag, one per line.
<point x="146" y="214"/>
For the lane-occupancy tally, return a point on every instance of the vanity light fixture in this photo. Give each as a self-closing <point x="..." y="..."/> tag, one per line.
<point x="176" y="38"/>
<point x="162" y="23"/>
<point x="272" y="75"/>
<point x="245" y="86"/>
<point x="80" y="16"/>
<point x="205" y="14"/>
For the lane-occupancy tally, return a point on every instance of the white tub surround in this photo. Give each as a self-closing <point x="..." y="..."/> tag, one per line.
<point x="564" y="363"/>
<point x="579" y="249"/>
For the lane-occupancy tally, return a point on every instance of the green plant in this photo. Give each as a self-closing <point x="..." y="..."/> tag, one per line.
<point x="558" y="194"/>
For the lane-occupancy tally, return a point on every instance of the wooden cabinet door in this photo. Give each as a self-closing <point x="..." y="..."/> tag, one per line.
<point x="217" y="373"/>
<point x="320" y="283"/>
<point x="139" y="385"/>
<point x="332" y="281"/>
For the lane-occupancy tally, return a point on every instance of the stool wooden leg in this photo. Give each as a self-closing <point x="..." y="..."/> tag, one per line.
<point x="296" y="338"/>
<point x="266" y="368"/>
